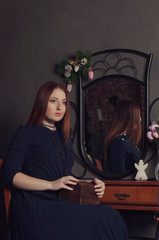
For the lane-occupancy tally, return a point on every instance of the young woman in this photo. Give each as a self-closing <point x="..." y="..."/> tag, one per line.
<point x="123" y="137"/>
<point x="38" y="165"/>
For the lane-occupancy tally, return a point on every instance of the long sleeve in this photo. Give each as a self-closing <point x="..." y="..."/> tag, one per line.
<point x="122" y="155"/>
<point x="17" y="153"/>
<point x="117" y="156"/>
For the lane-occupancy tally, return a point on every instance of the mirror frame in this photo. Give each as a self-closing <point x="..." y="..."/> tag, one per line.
<point x="90" y="166"/>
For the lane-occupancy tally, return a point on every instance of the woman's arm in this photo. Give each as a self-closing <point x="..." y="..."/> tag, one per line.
<point x="25" y="182"/>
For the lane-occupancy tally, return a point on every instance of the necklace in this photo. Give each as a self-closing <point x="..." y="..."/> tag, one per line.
<point x="124" y="133"/>
<point x="45" y="125"/>
<point x="63" y="149"/>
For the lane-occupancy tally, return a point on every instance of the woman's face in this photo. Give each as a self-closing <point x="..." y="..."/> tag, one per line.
<point x="56" y="107"/>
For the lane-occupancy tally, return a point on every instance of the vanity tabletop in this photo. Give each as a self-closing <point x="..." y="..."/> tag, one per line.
<point x="132" y="182"/>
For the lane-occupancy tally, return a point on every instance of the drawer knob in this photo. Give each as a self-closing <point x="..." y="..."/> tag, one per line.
<point x="122" y="196"/>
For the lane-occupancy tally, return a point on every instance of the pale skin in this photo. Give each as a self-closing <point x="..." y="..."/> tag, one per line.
<point x="55" y="111"/>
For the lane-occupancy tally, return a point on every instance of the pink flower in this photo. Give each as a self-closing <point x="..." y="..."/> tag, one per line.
<point x="91" y="74"/>
<point x="153" y="127"/>
<point x="149" y="135"/>
<point x="69" y="87"/>
<point x="155" y="134"/>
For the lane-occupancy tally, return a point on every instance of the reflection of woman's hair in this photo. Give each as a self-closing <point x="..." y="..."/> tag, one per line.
<point x="126" y="118"/>
<point x="40" y="105"/>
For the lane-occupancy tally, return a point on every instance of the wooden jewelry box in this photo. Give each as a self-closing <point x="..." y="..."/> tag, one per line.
<point x="83" y="193"/>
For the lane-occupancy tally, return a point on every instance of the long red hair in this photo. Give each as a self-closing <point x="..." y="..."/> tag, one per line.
<point x="126" y="118"/>
<point x="40" y="105"/>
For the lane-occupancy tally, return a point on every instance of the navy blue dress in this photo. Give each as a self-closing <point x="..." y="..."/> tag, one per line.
<point x="122" y="155"/>
<point x="40" y="153"/>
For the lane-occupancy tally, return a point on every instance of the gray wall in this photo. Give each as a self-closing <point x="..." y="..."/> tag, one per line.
<point x="36" y="35"/>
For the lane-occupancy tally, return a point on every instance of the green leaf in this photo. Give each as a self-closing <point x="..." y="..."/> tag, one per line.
<point x="83" y="68"/>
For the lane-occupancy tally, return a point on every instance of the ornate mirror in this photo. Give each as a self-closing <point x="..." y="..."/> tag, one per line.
<point x="118" y="74"/>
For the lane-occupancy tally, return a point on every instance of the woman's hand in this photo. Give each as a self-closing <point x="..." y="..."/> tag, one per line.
<point x="63" y="183"/>
<point x="99" y="187"/>
<point x="26" y="182"/>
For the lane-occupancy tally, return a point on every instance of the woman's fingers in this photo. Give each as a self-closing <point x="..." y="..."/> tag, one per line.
<point x="100" y="195"/>
<point x="69" y="180"/>
<point x="99" y="187"/>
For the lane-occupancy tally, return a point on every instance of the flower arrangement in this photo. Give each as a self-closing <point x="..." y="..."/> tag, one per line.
<point x="69" y="68"/>
<point x="153" y="133"/>
<point x="153" y="136"/>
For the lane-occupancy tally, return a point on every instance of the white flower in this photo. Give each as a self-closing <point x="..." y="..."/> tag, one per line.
<point x="67" y="73"/>
<point x="84" y="61"/>
<point x="68" y="67"/>
<point x="76" y="67"/>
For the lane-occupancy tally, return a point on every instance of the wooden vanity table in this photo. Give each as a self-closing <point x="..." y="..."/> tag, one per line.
<point x="133" y="195"/>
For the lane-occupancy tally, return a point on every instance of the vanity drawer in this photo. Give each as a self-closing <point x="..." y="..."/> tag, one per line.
<point x="131" y="195"/>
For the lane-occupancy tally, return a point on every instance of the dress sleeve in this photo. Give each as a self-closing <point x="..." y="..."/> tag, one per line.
<point x="18" y="151"/>
<point x="117" y="156"/>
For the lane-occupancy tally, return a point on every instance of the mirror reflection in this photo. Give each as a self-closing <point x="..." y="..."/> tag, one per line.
<point x="100" y="107"/>
<point x="123" y="137"/>
<point x="100" y="98"/>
